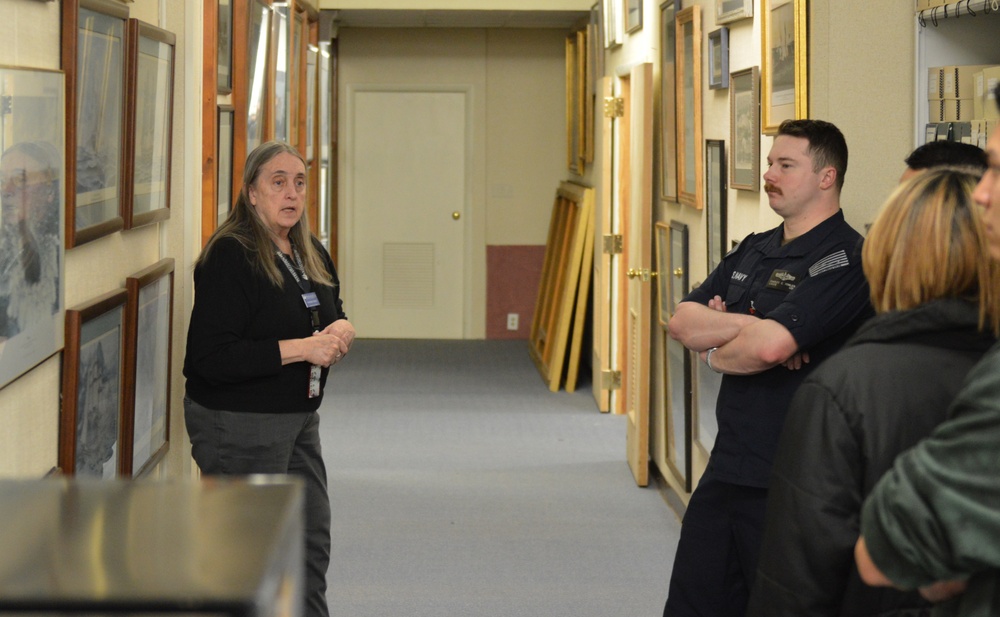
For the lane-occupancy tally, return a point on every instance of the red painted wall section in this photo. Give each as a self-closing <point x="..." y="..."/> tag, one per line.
<point x="512" y="277"/>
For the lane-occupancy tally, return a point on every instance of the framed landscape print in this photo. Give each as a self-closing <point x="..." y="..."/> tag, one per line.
<point x="689" y="88"/>
<point x="715" y="201"/>
<point x="32" y="247"/>
<point x="149" y="316"/>
<point x="225" y="56"/>
<point x="149" y="123"/>
<point x="90" y="438"/>
<point x="718" y="59"/>
<point x="784" y="63"/>
<point x="668" y="102"/>
<point x="744" y="130"/>
<point x="727" y="11"/>
<point x="93" y="56"/>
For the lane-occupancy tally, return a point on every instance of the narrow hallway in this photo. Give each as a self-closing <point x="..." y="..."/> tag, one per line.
<point x="461" y="486"/>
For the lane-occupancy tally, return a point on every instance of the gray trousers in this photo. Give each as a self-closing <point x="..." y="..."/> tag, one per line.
<point x="240" y="443"/>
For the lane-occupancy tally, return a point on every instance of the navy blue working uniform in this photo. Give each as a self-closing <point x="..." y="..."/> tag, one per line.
<point x="814" y="286"/>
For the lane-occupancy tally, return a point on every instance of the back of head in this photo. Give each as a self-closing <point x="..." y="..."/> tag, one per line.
<point x="928" y="243"/>
<point x="827" y="145"/>
<point x="948" y="153"/>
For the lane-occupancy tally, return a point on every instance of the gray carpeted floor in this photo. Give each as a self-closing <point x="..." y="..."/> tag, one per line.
<point x="461" y="486"/>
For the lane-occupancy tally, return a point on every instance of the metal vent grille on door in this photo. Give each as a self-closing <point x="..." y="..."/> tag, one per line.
<point x="407" y="275"/>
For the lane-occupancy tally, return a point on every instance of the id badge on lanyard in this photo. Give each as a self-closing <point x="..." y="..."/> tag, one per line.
<point x="311" y="300"/>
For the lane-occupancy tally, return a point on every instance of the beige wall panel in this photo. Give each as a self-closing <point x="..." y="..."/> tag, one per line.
<point x="29" y="413"/>
<point x="484" y="5"/>
<point x="525" y="134"/>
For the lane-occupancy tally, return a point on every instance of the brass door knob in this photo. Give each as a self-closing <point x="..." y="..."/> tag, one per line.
<point x="678" y="272"/>
<point x="456" y="215"/>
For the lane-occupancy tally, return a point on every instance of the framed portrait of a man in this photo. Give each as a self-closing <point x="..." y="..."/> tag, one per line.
<point x="32" y="235"/>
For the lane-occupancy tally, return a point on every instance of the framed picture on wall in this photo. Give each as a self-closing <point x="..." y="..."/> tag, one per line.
<point x="784" y="62"/>
<point x="704" y="393"/>
<point x="32" y="241"/>
<point x="744" y="130"/>
<point x="715" y="201"/>
<point x="224" y="166"/>
<point x="612" y="23"/>
<point x="148" y="124"/>
<point x="678" y="365"/>
<point x="148" y="320"/>
<point x="633" y="15"/>
<point x="225" y="55"/>
<point x="668" y="99"/>
<point x="281" y="40"/>
<point x="688" y="96"/>
<point x="257" y="92"/>
<point x="90" y="438"/>
<point x="718" y="59"/>
<point x="662" y="239"/>
<point x="727" y="11"/>
<point x="93" y="56"/>
<point x="312" y="60"/>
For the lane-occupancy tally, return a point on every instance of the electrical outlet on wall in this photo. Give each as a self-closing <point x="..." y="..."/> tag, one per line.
<point x="512" y="319"/>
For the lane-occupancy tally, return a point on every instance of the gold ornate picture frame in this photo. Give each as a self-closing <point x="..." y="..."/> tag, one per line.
<point x="784" y="63"/>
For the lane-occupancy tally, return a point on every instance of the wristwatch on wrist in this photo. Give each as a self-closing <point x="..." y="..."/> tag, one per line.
<point x="708" y="359"/>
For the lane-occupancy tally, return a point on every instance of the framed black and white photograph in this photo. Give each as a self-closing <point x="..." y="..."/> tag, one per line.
<point x="668" y="105"/>
<point x="715" y="201"/>
<point x="32" y="246"/>
<point x="149" y="123"/>
<point x="93" y="56"/>
<point x="633" y="15"/>
<point x="727" y="11"/>
<point x="718" y="59"/>
<point x="225" y="56"/>
<point x="744" y="130"/>
<point x="224" y="164"/>
<point x="90" y="438"/>
<point x="147" y="366"/>
<point x="678" y="364"/>
<point x="257" y="94"/>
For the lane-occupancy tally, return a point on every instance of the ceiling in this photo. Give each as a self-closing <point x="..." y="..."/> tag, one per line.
<point x="375" y="18"/>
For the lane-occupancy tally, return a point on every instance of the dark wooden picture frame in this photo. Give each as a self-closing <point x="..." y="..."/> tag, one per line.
<point x="744" y="130"/>
<point x="90" y="435"/>
<point x="224" y="58"/>
<point x="727" y="11"/>
<point x="662" y="246"/>
<point x="226" y="115"/>
<point x="668" y="101"/>
<point x="148" y="335"/>
<point x="715" y="202"/>
<point x="148" y="124"/>
<point x="94" y="44"/>
<point x="33" y="174"/>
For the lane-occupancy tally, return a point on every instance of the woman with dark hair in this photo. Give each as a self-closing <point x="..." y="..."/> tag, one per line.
<point x="936" y="294"/>
<point x="267" y="325"/>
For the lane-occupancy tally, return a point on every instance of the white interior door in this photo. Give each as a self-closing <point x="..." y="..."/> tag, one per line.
<point x="407" y="197"/>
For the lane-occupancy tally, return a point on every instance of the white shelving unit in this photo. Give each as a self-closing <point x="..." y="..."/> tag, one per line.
<point x="964" y="32"/>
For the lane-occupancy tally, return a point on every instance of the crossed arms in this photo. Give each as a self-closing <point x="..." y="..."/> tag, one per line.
<point x="745" y="344"/>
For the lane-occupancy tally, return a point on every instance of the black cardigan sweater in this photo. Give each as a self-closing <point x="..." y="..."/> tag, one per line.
<point x="233" y="362"/>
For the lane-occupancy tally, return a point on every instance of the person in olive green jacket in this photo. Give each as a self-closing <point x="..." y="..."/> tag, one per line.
<point x="933" y="521"/>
